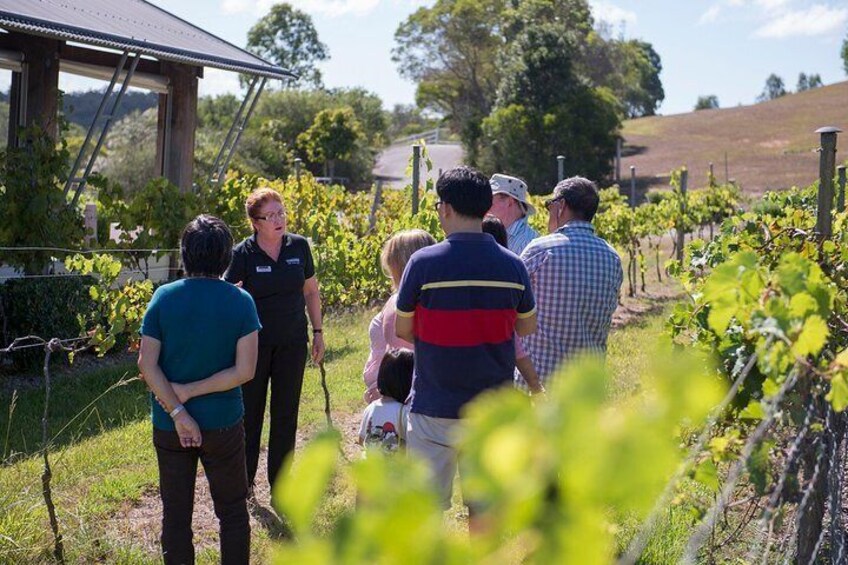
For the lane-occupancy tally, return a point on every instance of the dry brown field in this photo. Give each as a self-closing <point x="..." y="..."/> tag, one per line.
<point x="769" y="146"/>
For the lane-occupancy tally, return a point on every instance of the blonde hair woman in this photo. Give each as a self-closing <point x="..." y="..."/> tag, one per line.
<point x="396" y="253"/>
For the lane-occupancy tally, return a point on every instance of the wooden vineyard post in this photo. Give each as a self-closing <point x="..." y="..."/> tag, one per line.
<point x="416" y="176"/>
<point x="684" y="180"/>
<point x="632" y="186"/>
<point x="827" y="165"/>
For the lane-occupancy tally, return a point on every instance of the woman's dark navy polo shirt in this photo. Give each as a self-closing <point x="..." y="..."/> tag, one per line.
<point x="276" y="286"/>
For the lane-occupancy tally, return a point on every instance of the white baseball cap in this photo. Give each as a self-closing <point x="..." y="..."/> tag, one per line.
<point x="512" y="186"/>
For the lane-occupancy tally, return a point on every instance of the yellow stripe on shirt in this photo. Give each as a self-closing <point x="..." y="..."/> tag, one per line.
<point x="523" y="315"/>
<point x="457" y="284"/>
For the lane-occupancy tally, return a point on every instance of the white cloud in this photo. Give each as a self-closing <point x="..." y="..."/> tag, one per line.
<point x="710" y="15"/>
<point x="612" y="14"/>
<point x="216" y="82"/>
<point x="330" y="8"/>
<point x="815" y="20"/>
<point x="780" y="19"/>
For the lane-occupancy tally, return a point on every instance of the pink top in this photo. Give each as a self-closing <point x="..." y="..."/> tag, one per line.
<point x="381" y="332"/>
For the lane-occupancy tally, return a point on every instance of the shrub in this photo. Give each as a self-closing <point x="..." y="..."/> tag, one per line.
<point x="45" y="307"/>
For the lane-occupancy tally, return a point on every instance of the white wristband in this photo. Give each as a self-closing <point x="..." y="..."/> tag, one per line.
<point x="177" y="409"/>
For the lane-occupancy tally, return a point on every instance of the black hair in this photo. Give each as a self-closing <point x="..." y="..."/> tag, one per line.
<point x="580" y="195"/>
<point x="466" y="190"/>
<point x="394" y="379"/>
<point x="494" y="227"/>
<point x="206" y="247"/>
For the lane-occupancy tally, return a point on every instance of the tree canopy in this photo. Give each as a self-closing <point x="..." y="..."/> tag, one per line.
<point x="845" y="54"/>
<point x="808" y="82"/>
<point x="288" y="37"/>
<point x="495" y="68"/>
<point x="708" y="102"/>
<point x="774" y="89"/>
<point x="333" y="135"/>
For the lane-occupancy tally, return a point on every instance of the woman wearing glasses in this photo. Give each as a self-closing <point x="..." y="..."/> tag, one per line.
<point x="276" y="268"/>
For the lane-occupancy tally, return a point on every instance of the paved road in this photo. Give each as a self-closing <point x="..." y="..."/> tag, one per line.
<point x="393" y="160"/>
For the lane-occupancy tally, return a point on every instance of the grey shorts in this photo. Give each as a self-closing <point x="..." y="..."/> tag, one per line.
<point x="434" y="440"/>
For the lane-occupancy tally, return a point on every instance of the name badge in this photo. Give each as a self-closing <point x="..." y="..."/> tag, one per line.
<point x="294" y="261"/>
<point x="263" y="269"/>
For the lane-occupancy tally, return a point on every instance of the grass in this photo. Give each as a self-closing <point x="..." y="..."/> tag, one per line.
<point x="103" y="461"/>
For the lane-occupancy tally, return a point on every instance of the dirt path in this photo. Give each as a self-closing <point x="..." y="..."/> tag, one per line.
<point x="139" y="524"/>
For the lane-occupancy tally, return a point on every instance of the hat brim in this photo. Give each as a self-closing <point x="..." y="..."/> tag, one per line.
<point x="530" y="208"/>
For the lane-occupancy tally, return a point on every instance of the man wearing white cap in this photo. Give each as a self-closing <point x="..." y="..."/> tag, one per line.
<point x="510" y="206"/>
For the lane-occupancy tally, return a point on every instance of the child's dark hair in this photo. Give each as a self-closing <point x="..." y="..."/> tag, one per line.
<point x="394" y="379"/>
<point x="494" y="227"/>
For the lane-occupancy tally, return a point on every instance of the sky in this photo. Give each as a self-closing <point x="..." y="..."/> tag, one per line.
<point x="723" y="47"/>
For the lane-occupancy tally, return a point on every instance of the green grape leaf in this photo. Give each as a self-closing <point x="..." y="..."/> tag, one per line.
<point x="707" y="474"/>
<point x="754" y="411"/>
<point x="838" y="394"/>
<point x="812" y="338"/>
<point x="299" y="492"/>
<point x="802" y="304"/>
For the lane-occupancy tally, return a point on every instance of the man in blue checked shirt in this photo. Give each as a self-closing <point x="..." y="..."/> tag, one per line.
<point x="576" y="277"/>
<point x="510" y="206"/>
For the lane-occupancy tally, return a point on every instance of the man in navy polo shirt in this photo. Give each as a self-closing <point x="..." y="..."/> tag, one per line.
<point x="461" y="302"/>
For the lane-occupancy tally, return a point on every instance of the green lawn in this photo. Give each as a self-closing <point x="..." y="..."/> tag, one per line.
<point x="103" y="460"/>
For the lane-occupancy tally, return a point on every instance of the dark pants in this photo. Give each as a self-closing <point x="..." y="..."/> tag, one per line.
<point x="283" y="366"/>
<point x="222" y="455"/>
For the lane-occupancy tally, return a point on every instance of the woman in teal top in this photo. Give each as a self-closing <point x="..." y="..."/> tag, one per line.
<point x="199" y="344"/>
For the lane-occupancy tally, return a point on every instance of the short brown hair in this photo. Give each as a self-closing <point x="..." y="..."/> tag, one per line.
<point x="258" y="198"/>
<point x="400" y="247"/>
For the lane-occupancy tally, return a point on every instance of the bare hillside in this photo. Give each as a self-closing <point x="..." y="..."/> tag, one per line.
<point x="769" y="146"/>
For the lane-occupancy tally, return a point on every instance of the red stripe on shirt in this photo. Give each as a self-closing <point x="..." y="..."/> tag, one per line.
<point x="464" y="328"/>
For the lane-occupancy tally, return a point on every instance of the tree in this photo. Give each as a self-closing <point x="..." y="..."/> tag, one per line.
<point x="845" y="54"/>
<point x="333" y="136"/>
<point x="543" y="109"/>
<point x="287" y="37"/>
<point x="450" y="50"/>
<point x="774" y="89"/>
<point x="808" y="82"/>
<point x="709" y="102"/>
<point x="631" y="69"/>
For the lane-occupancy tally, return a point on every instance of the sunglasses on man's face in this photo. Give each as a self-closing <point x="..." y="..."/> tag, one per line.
<point x="550" y="202"/>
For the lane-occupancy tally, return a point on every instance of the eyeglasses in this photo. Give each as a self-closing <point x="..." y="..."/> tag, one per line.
<point x="437" y="204"/>
<point x="550" y="202"/>
<point x="274" y="216"/>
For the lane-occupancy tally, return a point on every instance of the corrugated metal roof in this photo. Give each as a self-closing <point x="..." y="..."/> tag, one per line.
<point x="133" y="25"/>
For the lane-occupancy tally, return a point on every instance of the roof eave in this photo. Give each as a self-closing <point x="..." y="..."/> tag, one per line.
<point x="70" y="33"/>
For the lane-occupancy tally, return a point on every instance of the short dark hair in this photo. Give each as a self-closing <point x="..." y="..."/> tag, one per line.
<point x="394" y="379"/>
<point x="580" y="195"/>
<point x="493" y="226"/>
<point x="466" y="190"/>
<point x="206" y="247"/>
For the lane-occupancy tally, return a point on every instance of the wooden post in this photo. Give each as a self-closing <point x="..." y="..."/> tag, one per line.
<point x="298" y="163"/>
<point x="632" y="186"/>
<point x="684" y="181"/>
<point x="416" y="176"/>
<point x="177" y="124"/>
<point x="560" y="167"/>
<point x="618" y="160"/>
<point x="34" y="91"/>
<point x="840" y="198"/>
<point x="712" y="171"/>
<point x="90" y="217"/>
<point x="827" y="164"/>
<point x="378" y="196"/>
